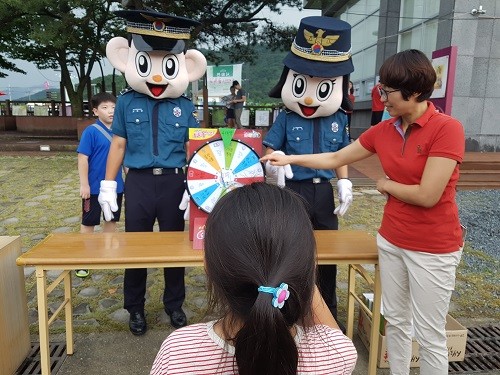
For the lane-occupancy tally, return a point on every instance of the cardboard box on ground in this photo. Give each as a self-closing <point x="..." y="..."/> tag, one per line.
<point x="456" y="338"/>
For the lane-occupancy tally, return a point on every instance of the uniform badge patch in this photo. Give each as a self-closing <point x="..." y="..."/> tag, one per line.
<point x="335" y="127"/>
<point x="177" y="112"/>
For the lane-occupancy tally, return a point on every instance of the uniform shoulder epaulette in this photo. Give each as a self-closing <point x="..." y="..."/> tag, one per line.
<point x="126" y="90"/>
<point x="185" y="97"/>
<point x="342" y="110"/>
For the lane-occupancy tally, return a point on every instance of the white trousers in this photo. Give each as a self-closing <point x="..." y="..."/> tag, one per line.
<point x="416" y="290"/>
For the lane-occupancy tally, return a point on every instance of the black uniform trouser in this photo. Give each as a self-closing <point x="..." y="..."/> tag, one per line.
<point x="149" y="198"/>
<point x="321" y="206"/>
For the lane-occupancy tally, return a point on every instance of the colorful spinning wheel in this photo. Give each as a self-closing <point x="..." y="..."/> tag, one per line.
<point x="214" y="170"/>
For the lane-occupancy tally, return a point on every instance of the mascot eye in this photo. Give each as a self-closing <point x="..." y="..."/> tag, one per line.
<point x="299" y="85"/>
<point x="325" y="89"/>
<point x="170" y="66"/>
<point x="143" y="64"/>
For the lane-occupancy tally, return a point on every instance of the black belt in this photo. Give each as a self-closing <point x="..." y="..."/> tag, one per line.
<point x="316" y="180"/>
<point x="158" y="171"/>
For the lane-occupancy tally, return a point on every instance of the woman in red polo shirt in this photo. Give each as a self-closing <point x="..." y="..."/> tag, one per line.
<point x="420" y="239"/>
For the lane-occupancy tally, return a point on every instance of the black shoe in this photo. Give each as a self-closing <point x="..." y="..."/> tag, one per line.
<point x="177" y="318"/>
<point x="137" y="323"/>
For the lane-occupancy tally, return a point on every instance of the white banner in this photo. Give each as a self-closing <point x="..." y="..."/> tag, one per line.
<point x="221" y="77"/>
<point x="262" y="118"/>
<point x="245" y="117"/>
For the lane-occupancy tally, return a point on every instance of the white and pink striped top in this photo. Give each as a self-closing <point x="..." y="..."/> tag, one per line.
<point x="197" y="349"/>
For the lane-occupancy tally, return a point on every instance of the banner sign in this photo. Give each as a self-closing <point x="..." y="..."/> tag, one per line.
<point x="221" y="77"/>
<point x="444" y="62"/>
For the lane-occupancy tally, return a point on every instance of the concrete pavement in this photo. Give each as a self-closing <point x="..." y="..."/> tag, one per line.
<point x="117" y="353"/>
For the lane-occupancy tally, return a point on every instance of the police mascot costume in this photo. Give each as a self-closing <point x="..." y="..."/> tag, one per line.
<point x="150" y="132"/>
<point x="314" y="90"/>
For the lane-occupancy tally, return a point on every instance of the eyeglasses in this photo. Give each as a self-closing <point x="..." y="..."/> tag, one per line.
<point x="385" y="93"/>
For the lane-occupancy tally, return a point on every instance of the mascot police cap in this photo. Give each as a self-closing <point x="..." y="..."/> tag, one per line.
<point x="151" y="30"/>
<point x="321" y="48"/>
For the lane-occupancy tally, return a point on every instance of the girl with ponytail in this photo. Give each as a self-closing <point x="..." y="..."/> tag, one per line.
<point x="260" y="261"/>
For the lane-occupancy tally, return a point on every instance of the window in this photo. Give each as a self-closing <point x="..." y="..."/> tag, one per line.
<point x="414" y="12"/>
<point x="422" y="37"/>
<point x="363" y="15"/>
<point x="418" y="25"/>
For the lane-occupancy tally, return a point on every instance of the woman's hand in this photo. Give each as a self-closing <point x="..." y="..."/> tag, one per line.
<point x="276" y="159"/>
<point x="381" y="186"/>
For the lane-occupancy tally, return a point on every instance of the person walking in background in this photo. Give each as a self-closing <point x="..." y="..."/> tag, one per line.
<point x="352" y="98"/>
<point x="92" y="155"/>
<point x="420" y="240"/>
<point x="272" y="319"/>
<point x="377" y="105"/>
<point x="238" y="102"/>
<point x="228" y="102"/>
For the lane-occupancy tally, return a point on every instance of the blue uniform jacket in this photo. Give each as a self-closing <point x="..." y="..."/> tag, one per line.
<point x="294" y="135"/>
<point x="156" y="130"/>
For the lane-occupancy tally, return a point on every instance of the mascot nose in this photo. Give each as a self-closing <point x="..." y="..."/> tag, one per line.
<point x="157" y="78"/>
<point x="308" y="100"/>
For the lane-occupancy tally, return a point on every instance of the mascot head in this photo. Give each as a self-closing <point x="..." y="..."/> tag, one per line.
<point x="315" y="79"/>
<point x="155" y="58"/>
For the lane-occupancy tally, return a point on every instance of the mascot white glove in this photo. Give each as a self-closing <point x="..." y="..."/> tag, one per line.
<point x="184" y="205"/>
<point x="276" y="175"/>
<point x="344" y="187"/>
<point x="107" y="199"/>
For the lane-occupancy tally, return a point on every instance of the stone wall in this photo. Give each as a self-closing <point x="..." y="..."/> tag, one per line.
<point x="7" y="123"/>
<point x="476" y="101"/>
<point x="47" y="125"/>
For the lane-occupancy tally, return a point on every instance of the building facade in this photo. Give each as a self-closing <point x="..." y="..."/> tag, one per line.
<point x="381" y="28"/>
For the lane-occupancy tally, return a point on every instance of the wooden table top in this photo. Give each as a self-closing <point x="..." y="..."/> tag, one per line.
<point x="172" y="248"/>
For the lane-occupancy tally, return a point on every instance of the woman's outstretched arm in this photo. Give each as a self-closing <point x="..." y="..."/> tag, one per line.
<point x="328" y="160"/>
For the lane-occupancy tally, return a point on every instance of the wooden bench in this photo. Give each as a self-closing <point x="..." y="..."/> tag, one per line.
<point x="71" y="251"/>
<point x="480" y="171"/>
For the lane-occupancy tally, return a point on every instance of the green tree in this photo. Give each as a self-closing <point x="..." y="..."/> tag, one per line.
<point x="231" y="27"/>
<point x="6" y="39"/>
<point x="7" y="65"/>
<point x="71" y="35"/>
<point x="260" y="76"/>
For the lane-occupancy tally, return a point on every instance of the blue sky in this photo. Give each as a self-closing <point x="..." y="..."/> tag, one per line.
<point x="20" y="85"/>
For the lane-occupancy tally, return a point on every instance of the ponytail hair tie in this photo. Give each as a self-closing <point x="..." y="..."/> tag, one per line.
<point x="280" y="294"/>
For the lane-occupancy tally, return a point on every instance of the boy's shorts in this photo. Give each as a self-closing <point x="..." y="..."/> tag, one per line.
<point x="230" y="113"/>
<point x="92" y="212"/>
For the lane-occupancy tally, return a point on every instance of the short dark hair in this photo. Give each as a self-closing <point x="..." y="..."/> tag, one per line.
<point x="411" y="72"/>
<point x="260" y="235"/>
<point x="235" y="83"/>
<point x="102" y="97"/>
